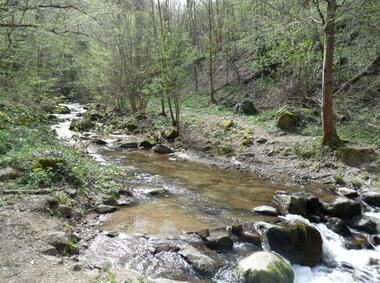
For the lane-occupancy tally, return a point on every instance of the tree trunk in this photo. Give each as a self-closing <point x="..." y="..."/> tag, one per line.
<point x="211" y="53"/>
<point x="330" y="136"/>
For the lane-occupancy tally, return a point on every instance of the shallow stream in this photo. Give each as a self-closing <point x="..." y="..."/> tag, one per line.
<point x="193" y="195"/>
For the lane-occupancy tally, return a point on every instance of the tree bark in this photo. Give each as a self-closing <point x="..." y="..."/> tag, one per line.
<point x="330" y="136"/>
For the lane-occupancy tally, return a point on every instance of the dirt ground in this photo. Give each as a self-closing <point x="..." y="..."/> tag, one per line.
<point x="271" y="154"/>
<point x="24" y="235"/>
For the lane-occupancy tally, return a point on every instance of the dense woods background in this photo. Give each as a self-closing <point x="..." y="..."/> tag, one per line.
<point x="125" y="52"/>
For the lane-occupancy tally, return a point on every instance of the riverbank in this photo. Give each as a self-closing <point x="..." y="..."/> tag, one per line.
<point x="107" y="243"/>
<point x="253" y="142"/>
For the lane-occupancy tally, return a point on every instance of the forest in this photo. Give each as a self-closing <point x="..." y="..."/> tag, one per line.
<point x="173" y="141"/>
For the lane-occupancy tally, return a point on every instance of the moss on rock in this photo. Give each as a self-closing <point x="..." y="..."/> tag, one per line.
<point x="286" y="120"/>
<point x="170" y="133"/>
<point x="228" y="123"/>
<point x="266" y="267"/>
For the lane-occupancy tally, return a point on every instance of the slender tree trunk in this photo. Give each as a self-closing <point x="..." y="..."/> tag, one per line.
<point x="330" y="136"/>
<point x="211" y="52"/>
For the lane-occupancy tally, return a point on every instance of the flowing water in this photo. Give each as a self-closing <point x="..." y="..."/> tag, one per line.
<point x="192" y="196"/>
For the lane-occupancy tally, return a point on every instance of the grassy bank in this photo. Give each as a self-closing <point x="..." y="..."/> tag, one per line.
<point x="40" y="161"/>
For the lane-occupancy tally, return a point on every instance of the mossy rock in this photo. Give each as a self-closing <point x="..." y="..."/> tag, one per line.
<point x="266" y="267"/>
<point x="170" y="133"/>
<point x="247" y="137"/>
<point x="62" y="109"/>
<point x="247" y="134"/>
<point x="228" y="123"/>
<point x="356" y="156"/>
<point x="148" y="142"/>
<point x="65" y="244"/>
<point x="81" y="125"/>
<point x="299" y="243"/>
<point x="287" y="120"/>
<point x="46" y="163"/>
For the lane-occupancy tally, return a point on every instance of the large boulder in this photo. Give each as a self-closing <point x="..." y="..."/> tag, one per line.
<point x="299" y="203"/>
<point x="356" y="156"/>
<point x="7" y="174"/>
<point x="265" y="267"/>
<point x="200" y="261"/>
<point x="371" y="198"/>
<point x="287" y="119"/>
<point x="343" y="208"/>
<point x="299" y="243"/>
<point x="246" y="107"/>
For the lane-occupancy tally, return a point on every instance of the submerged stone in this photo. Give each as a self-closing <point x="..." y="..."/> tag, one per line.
<point x="129" y="145"/>
<point x="162" y="149"/>
<point x="104" y="209"/>
<point x="265" y="267"/>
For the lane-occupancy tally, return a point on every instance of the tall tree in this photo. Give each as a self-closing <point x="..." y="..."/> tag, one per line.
<point x="330" y="136"/>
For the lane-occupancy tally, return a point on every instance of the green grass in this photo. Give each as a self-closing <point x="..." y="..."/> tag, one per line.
<point x="42" y="161"/>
